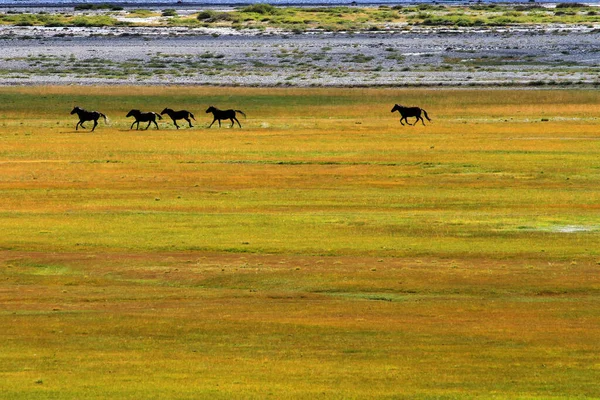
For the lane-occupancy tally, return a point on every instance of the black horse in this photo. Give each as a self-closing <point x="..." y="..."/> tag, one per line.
<point x="139" y="116"/>
<point x="410" y="112"/>
<point x="87" y="116"/>
<point x="175" y="115"/>
<point x="224" y="114"/>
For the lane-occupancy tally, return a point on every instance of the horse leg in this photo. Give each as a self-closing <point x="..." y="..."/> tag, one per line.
<point x="77" y="126"/>
<point x="236" y="120"/>
<point x="219" y="123"/>
<point x="212" y="122"/>
<point x="402" y="123"/>
<point x="422" y="120"/>
<point x="95" y="124"/>
<point x="148" y="126"/>
<point x="154" y="124"/>
<point x="189" y="122"/>
<point x="175" y="122"/>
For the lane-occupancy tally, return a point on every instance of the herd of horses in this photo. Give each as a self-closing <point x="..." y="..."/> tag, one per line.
<point x="218" y="115"/>
<point x="150" y="117"/>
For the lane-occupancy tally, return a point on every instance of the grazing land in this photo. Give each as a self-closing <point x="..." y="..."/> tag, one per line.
<point x="321" y="251"/>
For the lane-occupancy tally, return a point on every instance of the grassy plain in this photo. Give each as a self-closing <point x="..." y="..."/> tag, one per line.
<point x="321" y="251"/>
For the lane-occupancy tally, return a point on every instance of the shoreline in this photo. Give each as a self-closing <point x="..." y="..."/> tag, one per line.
<point x="157" y="56"/>
<point x="395" y="55"/>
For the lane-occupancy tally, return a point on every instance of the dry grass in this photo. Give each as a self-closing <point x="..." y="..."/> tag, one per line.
<point x="323" y="250"/>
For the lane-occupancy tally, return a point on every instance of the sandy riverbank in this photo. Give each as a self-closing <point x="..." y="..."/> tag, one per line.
<point x="549" y="55"/>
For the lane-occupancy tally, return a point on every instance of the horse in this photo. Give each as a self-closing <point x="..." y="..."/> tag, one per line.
<point x="224" y="114"/>
<point x="139" y="116"/>
<point x="87" y="116"/>
<point x="410" y="112"/>
<point x="175" y="115"/>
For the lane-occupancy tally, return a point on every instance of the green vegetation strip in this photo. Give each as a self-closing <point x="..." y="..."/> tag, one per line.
<point x="301" y="19"/>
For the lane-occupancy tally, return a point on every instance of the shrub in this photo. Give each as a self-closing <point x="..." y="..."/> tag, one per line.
<point x="55" y="24"/>
<point x="206" y="14"/>
<point x="260" y="8"/>
<point x="213" y="16"/>
<point x="100" y="20"/>
<point x="141" y="13"/>
<point x="502" y="20"/>
<point x="571" y="5"/>
<point x="169" y="12"/>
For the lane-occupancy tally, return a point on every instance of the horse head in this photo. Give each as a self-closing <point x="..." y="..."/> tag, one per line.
<point x="210" y="109"/>
<point x="76" y="109"/>
<point x="397" y="107"/>
<point x="166" y="111"/>
<point x="133" y="113"/>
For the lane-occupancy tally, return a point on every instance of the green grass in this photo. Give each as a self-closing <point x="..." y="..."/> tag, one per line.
<point x="340" y="184"/>
<point x="58" y="20"/>
<point x="321" y="251"/>
<point x="302" y="19"/>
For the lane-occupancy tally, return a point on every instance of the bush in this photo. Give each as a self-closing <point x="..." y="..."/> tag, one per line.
<point x="206" y="14"/>
<point x="169" y="13"/>
<point x="141" y="13"/>
<point x="100" y="20"/>
<point x="571" y="5"/>
<point x="55" y="24"/>
<point x="260" y="8"/>
<point x="86" y="7"/>
<point x="213" y="16"/>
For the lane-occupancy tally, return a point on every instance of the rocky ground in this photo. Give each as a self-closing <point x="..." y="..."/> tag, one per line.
<point x="537" y="56"/>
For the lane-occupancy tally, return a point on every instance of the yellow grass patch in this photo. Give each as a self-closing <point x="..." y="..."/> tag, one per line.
<point x="322" y="250"/>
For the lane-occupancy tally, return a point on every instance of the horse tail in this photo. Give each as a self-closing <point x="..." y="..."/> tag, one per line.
<point x="241" y="112"/>
<point x="192" y="115"/>
<point x="426" y="116"/>
<point x="159" y="117"/>
<point x="105" y="118"/>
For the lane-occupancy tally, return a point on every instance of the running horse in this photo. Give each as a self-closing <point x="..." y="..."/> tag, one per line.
<point x="87" y="116"/>
<point x="182" y="114"/>
<point x="410" y="112"/>
<point x="139" y="116"/>
<point x="224" y="114"/>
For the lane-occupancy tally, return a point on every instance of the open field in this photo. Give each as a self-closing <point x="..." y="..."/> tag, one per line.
<point x="321" y="251"/>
